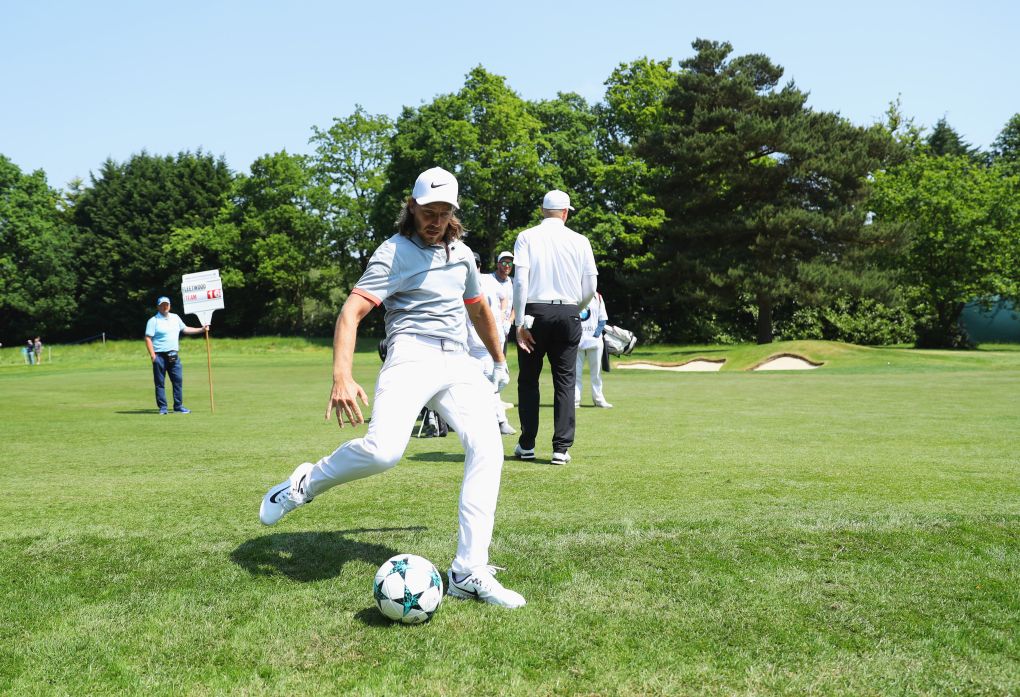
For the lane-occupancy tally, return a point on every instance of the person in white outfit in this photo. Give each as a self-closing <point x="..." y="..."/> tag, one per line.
<point x="593" y="319"/>
<point x="501" y="276"/>
<point x="554" y="280"/>
<point x="424" y="276"/>
<point x="477" y="349"/>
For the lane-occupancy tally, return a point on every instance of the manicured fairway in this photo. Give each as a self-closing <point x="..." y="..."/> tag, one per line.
<point x="850" y="530"/>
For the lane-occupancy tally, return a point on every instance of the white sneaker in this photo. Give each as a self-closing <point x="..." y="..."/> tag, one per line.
<point x="577" y="405"/>
<point x="481" y="584"/>
<point x="508" y="405"/>
<point x="286" y="496"/>
<point x="506" y="429"/>
<point x="603" y="404"/>
<point x="524" y="454"/>
<point x="561" y="458"/>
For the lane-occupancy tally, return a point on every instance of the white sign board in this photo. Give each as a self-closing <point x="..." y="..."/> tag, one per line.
<point x="203" y="293"/>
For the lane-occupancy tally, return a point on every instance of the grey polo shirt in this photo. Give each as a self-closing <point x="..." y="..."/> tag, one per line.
<point x="423" y="291"/>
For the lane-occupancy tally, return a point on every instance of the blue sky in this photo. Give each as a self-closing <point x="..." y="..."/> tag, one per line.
<point x="83" y="81"/>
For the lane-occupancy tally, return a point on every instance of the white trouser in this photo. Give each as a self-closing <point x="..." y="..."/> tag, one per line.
<point x="594" y="356"/>
<point x="488" y="367"/>
<point x="422" y="371"/>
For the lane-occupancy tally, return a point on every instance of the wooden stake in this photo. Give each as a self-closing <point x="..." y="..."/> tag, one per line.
<point x="208" y="362"/>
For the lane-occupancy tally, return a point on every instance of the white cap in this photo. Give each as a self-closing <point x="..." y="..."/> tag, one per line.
<point x="433" y="185"/>
<point x="504" y="255"/>
<point x="556" y="200"/>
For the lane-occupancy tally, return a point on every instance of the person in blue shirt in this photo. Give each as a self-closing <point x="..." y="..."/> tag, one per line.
<point x="162" y="334"/>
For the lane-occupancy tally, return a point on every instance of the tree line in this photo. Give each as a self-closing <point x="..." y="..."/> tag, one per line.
<point x="720" y="207"/>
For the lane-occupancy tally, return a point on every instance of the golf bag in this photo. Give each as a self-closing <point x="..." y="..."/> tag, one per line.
<point x="618" y="341"/>
<point x="432" y="424"/>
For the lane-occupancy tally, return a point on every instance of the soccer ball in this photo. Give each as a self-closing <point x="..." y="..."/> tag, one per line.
<point x="408" y="589"/>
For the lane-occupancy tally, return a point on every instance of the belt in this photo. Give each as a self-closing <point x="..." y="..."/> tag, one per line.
<point x="440" y="343"/>
<point x="552" y="302"/>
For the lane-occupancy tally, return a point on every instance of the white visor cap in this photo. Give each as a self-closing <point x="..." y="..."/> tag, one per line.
<point x="556" y="200"/>
<point x="434" y="185"/>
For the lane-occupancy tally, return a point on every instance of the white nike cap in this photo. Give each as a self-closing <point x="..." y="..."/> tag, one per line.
<point x="433" y="185"/>
<point x="556" y="200"/>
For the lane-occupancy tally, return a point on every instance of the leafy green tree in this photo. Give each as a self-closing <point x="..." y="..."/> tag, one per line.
<point x="963" y="222"/>
<point x="907" y="137"/>
<point x="1006" y="148"/>
<point x="489" y="138"/>
<point x="218" y="246"/>
<point x="271" y="245"/>
<point x="37" y="268"/>
<point x="124" y="219"/>
<point x="568" y="152"/>
<point x="288" y="241"/>
<point x="762" y="194"/>
<point x="349" y="168"/>
<point x="627" y="216"/>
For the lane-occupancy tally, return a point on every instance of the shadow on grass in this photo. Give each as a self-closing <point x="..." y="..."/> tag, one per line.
<point x="135" y="412"/>
<point x="437" y="457"/>
<point x="371" y="617"/>
<point x="311" y="556"/>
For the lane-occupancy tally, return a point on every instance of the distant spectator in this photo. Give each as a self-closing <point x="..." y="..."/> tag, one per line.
<point x="593" y="320"/>
<point x="501" y="274"/>
<point x="29" y="352"/>
<point x="162" y="336"/>
<point x="37" y="350"/>
<point x="477" y="349"/>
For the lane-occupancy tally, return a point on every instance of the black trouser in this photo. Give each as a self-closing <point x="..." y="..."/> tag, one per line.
<point x="557" y="332"/>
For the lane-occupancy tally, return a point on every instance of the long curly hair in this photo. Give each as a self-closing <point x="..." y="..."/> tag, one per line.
<point x="405" y="224"/>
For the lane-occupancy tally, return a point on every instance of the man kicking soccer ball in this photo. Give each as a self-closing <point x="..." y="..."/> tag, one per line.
<point x="424" y="276"/>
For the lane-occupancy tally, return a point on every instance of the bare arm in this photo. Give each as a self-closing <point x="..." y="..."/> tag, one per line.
<point x="148" y="345"/>
<point x="346" y="392"/>
<point x="524" y="338"/>
<point x="485" y="324"/>
<point x="520" y="294"/>
<point x="588" y="286"/>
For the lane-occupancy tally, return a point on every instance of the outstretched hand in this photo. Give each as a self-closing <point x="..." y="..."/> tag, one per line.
<point x="525" y="339"/>
<point x="344" y="399"/>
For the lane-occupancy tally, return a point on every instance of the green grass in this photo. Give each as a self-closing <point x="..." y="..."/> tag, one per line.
<point x="850" y="530"/>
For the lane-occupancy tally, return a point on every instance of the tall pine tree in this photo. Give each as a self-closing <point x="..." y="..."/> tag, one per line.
<point x="761" y="193"/>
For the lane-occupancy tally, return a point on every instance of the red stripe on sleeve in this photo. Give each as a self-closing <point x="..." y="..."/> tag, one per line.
<point x="472" y="301"/>
<point x="367" y="296"/>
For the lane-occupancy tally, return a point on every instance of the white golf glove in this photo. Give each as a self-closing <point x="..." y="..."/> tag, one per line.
<point x="500" y="376"/>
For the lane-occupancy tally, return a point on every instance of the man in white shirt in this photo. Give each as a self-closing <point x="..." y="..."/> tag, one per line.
<point x="501" y="275"/>
<point x="593" y="320"/>
<point x="477" y="349"/>
<point x="554" y="280"/>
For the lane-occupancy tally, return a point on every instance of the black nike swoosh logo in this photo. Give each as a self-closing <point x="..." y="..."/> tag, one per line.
<point x="276" y="495"/>
<point x="436" y="186"/>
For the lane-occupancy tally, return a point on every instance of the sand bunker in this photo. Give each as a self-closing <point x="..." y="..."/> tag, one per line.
<point x="783" y="361"/>
<point x="787" y="361"/>
<point x="695" y="366"/>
